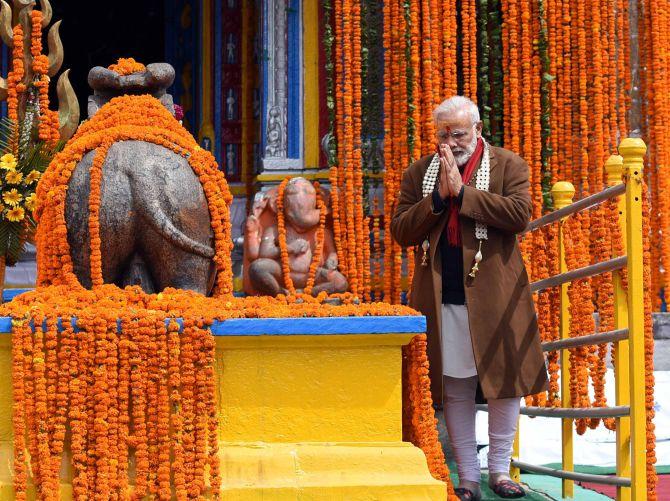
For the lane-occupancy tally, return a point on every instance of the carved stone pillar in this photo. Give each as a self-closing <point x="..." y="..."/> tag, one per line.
<point x="282" y="104"/>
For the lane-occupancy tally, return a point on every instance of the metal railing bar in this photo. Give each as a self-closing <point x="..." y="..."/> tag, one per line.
<point x="573" y="342"/>
<point x="584" y="203"/>
<point x="573" y="475"/>
<point x="570" y="412"/>
<point x="587" y="271"/>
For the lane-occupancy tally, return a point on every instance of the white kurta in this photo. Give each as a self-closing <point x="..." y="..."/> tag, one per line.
<point x="458" y="360"/>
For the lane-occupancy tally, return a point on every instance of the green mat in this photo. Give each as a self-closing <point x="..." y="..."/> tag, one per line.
<point x="538" y="488"/>
<point x="605" y="470"/>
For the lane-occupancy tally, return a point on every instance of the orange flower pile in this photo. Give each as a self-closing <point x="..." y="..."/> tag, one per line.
<point x="127" y="66"/>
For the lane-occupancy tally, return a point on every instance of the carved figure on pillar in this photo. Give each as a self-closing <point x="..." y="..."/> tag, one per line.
<point x="274" y="147"/>
<point x="262" y="253"/>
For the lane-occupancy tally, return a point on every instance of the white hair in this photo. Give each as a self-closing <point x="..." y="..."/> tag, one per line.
<point x="455" y="104"/>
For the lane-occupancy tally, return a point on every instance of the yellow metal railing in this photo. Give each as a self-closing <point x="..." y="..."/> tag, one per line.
<point x="624" y="177"/>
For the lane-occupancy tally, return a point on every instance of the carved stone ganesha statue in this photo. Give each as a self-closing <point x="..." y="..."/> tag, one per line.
<point x="299" y="232"/>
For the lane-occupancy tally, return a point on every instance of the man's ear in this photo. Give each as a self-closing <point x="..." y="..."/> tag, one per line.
<point x="479" y="126"/>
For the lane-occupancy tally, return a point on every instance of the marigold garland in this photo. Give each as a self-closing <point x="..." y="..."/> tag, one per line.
<point x="649" y="378"/>
<point x="15" y="85"/>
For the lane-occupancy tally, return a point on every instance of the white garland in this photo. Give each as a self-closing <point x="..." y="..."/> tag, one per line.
<point x="482" y="181"/>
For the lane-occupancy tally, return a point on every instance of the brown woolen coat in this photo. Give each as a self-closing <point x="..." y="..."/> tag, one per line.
<point x="503" y="323"/>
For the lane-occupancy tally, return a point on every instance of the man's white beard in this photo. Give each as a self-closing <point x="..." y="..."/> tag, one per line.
<point x="462" y="155"/>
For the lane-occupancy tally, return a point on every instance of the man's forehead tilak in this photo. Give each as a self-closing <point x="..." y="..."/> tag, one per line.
<point x="453" y="123"/>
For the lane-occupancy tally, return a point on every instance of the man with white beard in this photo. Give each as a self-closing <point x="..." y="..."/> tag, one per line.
<point x="462" y="207"/>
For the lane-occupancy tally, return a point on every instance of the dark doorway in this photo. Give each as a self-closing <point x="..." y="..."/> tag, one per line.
<point x="99" y="33"/>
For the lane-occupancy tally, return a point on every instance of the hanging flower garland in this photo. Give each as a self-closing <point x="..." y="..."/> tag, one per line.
<point x="649" y="379"/>
<point x="15" y="85"/>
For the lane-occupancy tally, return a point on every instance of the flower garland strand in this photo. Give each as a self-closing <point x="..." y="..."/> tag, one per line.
<point x="15" y="85"/>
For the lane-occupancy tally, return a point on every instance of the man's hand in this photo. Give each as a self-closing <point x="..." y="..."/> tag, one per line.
<point x="450" y="178"/>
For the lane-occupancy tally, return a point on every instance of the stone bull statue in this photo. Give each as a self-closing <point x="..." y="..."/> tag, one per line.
<point x="154" y="222"/>
<point x="262" y="262"/>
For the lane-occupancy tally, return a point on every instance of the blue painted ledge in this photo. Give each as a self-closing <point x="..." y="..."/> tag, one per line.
<point x="9" y="294"/>
<point x="303" y="326"/>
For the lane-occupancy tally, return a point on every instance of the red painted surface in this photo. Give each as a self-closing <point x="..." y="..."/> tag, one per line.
<point x="662" y="488"/>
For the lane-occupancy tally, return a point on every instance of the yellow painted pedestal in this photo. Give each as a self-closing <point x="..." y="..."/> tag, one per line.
<point x="301" y="417"/>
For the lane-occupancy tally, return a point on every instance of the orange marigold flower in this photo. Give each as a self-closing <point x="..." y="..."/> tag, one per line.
<point x="127" y="66"/>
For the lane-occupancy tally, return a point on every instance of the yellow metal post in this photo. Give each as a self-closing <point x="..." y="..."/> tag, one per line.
<point x="614" y="168"/>
<point x="562" y="193"/>
<point x="633" y="150"/>
<point x="311" y="43"/>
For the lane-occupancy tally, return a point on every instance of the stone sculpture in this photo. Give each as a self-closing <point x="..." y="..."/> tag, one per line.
<point x="262" y="260"/>
<point x="154" y="221"/>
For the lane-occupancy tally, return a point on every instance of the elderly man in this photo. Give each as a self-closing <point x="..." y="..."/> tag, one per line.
<point x="463" y="207"/>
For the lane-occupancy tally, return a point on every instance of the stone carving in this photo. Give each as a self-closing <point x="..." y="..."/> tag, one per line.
<point x="276" y="133"/>
<point x="231" y="46"/>
<point x="154" y="221"/>
<point x="275" y="147"/>
<point x="231" y="105"/>
<point x="231" y="160"/>
<point x="262" y="262"/>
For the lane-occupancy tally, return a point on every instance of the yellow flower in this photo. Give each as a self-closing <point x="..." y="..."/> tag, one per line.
<point x="31" y="201"/>
<point x="32" y="177"/>
<point x="8" y="162"/>
<point x="15" y="214"/>
<point x="13" y="177"/>
<point x="12" y="197"/>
